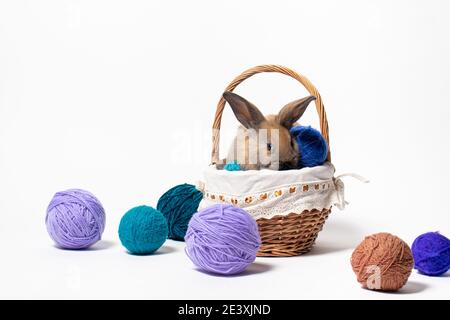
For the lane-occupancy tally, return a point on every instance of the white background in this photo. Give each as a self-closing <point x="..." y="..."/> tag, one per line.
<point x="118" y="97"/>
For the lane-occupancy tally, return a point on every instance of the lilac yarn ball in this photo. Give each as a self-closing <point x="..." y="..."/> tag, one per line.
<point x="222" y="239"/>
<point x="75" y="219"/>
<point x="431" y="252"/>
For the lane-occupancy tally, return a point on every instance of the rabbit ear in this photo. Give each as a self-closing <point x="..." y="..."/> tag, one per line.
<point x="291" y="112"/>
<point x="246" y="112"/>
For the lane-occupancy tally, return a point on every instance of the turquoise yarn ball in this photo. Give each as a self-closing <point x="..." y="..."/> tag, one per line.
<point x="143" y="230"/>
<point x="178" y="205"/>
<point x="232" y="166"/>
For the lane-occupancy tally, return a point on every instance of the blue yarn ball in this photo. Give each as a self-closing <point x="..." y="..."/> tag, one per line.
<point x="143" y="230"/>
<point x="178" y="205"/>
<point x="431" y="252"/>
<point x="312" y="146"/>
<point x="232" y="166"/>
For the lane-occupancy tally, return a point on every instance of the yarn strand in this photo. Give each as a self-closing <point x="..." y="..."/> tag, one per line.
<point x="222" y="239"/>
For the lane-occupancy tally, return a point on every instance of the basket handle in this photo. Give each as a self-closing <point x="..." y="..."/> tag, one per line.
<point x="268" y="68"/>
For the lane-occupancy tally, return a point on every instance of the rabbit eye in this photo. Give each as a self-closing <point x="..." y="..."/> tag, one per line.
<point x="269" y="146"/>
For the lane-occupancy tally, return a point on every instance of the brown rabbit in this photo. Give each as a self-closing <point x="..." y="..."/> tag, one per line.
<point x="264" y="142"/>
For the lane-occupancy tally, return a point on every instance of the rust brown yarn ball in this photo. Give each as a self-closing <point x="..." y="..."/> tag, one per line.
<point x="382" y="262"/>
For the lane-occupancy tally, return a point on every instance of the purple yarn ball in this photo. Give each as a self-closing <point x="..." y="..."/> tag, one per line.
<point x="431" y="252"/>
<point x="222" y="239"/>
<point x="75" y="219"/>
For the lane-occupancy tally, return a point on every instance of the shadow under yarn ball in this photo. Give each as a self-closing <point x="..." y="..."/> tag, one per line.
<point x="382" y="262"/>
<point x="143" y="230"/>
<point x="75" y="219"/>
<point x="222" y="239"/>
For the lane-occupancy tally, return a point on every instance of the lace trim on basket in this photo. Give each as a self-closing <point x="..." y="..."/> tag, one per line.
<point x="286" y="199"/>
<point x="280" y="202"/>
<point x="264" y="196"/>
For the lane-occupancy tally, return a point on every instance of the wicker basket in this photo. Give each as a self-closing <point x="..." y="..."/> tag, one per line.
<point x="294" y="233"/>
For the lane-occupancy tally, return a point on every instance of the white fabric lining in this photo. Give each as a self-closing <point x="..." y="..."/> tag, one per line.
<point x="268" y="193"/>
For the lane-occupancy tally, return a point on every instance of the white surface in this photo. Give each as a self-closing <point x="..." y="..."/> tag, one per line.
<point x="118" y="97"/>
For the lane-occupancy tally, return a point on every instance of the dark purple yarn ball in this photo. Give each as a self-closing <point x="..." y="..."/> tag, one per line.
<point x="431" y="252"/>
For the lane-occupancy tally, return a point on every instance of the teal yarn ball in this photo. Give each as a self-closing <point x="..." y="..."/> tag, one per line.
<point x="143" y="230"/>
<point x="178" y="205"/>
<point x="232" y="166"/>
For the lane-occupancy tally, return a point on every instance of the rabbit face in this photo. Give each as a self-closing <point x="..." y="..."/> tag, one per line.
<point x="265" y="142"/>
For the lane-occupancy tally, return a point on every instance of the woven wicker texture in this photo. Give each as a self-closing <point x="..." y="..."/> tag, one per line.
<point x="291" y="235"/>
<point x="268" y="68"/>
<point x="294" y="234"/>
